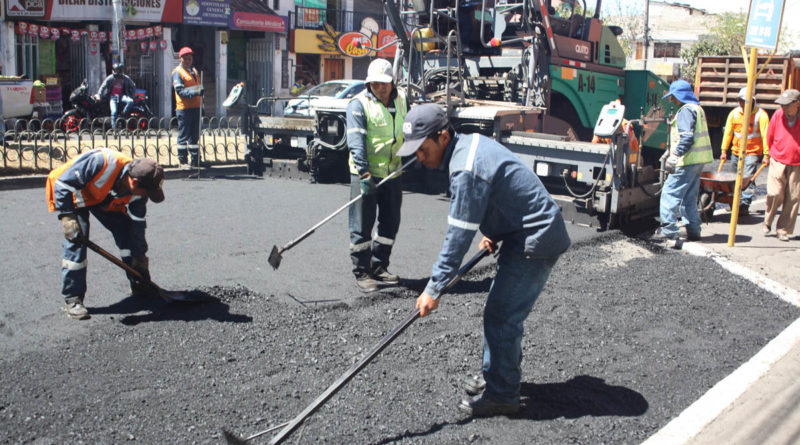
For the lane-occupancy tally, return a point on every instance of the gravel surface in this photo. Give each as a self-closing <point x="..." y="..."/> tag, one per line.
<point x="616" y="346"/>
<point x="624" y="337"/>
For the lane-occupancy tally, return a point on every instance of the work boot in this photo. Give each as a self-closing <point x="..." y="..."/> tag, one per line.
<point x="485" y="406"/>
<point x="474" y="385"/>
<point x="365" y="283"/>
<point x="384" y="276"/>
<point x="744" y="210"/>
<point x="76" y="310"/>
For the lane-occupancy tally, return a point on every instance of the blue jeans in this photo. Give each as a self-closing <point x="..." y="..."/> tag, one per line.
<point x="368" y="254"/>
<point x="514" y="290"/>
<point x="73" y="264"/>
<point x="751" y="163"/>
<point x="127" y="104"/>
<point x="188" y="133"/>
<point x="679" y="200"/>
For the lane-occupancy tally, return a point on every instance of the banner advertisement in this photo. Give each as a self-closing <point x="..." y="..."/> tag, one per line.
<point x="136" y="11"/>
<point x="254" y="21"/>
<point x="25" y="8"/>
<point x="206" y="12"/>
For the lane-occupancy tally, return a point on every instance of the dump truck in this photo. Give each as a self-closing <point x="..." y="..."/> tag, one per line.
<point x="534" y="75"/>
<point x="719" y="78"/>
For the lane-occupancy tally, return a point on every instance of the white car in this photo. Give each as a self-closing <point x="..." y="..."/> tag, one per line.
<point x="323" y="95"/>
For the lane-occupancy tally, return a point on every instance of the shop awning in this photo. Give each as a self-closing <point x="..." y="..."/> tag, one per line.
<point x="252" y="15"/>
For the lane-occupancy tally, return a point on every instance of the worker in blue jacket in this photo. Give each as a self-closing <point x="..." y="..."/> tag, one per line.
<point x="115" y="189"/>
<point x="492" y="191"/>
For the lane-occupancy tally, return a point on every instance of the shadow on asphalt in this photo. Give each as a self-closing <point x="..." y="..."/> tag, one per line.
<point x="578" y="397"/>
<point x="720" y="238"/>
<point x="209" y="308"/>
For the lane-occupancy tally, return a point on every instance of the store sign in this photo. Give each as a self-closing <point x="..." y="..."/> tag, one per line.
<point x="306" y="41"/>
<point x="387" y="40"/>
<point x="354" y="44"/>
<point x="254" y="21"/>
<point x="136" y="11"/>
<point x="206" y="12"/>
<point x="25" y="8"/>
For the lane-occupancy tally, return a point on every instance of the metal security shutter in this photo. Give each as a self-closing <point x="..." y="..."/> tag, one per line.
<point x="259" y="71"/>
<point x="78" y="51"/>
<point x="144" y="75"/>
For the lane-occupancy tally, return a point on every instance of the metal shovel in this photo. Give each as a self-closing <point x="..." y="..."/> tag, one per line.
<point x="168" y="296"/>
<point x="275" y="256"/>
<point x="357" y="367"/>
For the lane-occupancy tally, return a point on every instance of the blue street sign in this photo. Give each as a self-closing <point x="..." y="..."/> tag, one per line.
<point x="764" y="24"/>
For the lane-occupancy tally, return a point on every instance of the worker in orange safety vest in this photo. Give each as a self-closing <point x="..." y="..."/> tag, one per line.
<point x="756" y="147"/>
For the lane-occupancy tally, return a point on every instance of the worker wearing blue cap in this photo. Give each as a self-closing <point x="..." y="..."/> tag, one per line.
<point x="689" y="150"/>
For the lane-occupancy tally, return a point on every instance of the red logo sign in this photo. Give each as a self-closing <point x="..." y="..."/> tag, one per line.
<point x="354" y="44"/>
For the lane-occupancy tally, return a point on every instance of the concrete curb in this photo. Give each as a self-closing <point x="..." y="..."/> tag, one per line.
<point x="37" y="181"/>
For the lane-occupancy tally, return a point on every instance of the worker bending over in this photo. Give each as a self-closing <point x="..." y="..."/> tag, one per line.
<point x="492" y="191"/>
<point x="115" y="190"/>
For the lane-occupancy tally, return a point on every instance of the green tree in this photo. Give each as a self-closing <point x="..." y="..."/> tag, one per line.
<point x="726" y="38"/>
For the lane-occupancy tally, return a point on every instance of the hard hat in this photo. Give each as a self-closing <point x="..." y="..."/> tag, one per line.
<point x="743" y="93"/>
<point x="380" y="70"/>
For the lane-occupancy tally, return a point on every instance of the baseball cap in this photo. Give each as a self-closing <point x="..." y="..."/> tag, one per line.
<point x="380" y="70"/>
<point x="788" y="97"/>
<point x="422" y="121"/>
<point x="184" y="51"/>
<point x="150" y="176"/>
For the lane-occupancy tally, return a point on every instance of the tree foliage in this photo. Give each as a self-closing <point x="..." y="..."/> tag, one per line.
<point x="631" y="19"/>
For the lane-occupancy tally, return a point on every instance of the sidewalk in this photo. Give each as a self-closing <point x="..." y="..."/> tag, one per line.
<point x="760" y="402"/>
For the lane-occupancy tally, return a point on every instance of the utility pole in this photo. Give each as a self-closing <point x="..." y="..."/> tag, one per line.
<point x="117" y="30"/>
<point x="646" y="31"/>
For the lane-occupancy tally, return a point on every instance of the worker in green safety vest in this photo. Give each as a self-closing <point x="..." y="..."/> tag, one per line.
<point x="689" y="151"/>
<point x="374" y="135"/>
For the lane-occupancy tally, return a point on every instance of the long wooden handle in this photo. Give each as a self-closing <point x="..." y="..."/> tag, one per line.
<point x="721" y="163"/>
<point x="758" y="172"/>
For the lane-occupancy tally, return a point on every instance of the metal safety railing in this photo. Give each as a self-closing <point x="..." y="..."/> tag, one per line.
<point x="41" y="145"/>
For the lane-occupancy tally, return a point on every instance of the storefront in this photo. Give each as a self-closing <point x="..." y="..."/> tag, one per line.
<point x="65" y="42"/>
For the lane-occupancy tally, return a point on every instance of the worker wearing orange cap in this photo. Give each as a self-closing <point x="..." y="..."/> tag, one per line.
<point x="188" y="100"/>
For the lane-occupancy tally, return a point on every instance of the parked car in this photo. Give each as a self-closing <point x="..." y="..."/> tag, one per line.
<point x="322" y="94"/>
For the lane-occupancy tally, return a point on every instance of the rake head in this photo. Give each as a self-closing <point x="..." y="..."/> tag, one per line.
<point x="232" y="438"/>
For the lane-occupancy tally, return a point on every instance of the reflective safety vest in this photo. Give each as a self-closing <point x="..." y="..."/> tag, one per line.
<point x="98" y="187"/>
<point x="755" y="145"/>
<point x="189" y="81"/>
<point x="384" y="136"/>
<point x="700" y="151"/>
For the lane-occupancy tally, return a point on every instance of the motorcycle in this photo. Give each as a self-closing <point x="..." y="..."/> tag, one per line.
<point x="87" y="107"/>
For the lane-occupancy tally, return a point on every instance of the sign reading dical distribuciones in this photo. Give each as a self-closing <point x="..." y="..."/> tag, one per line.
<point x="764" y="24"/>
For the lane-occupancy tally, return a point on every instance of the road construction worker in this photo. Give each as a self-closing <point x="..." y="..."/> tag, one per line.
<point x="374" y="134"/>
<point x="756" y="147"/>
<point x="492" y="191"/>
<point x="689" y="151"/>
<point x="783" y="184"/>
<point x="119" y="90"/>
<point x="115" y="190"/>
<point x="188" y="100"/>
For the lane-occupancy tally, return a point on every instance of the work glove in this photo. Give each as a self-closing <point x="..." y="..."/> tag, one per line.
<point x="201" y="91"/>
<point x="368" y="186"/>
<point x="140" y="287"/>
<point x="671" y="163"/>
<point x="72" y="230"/>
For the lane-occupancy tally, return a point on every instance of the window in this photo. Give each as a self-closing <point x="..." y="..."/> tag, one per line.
<point x="666" y="49"/>
<point x="28" y="56"/>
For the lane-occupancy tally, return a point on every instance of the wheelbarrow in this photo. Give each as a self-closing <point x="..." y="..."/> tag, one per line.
<point x="719" y="187"/>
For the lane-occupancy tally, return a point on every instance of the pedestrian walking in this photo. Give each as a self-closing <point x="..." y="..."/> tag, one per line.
<point x="493" y="192"/>
<point x="689" y="151"/>
<point x="115" y="190"/>
<point x="119" y="90"/>
<point x="374" y="135"/>
<point x="755" y="144"/>
<point x="783" y="183"/>
<point x="188" y="100"/>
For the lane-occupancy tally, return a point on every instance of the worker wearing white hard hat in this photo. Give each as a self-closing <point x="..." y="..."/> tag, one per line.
<point x="374" y="135"/>
<point x="755" y="144"/>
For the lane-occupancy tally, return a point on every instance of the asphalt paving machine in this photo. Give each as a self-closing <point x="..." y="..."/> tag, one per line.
<point x="536" y="75"/>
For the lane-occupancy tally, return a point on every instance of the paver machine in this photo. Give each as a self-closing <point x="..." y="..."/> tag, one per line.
<point x="534" y="75"/>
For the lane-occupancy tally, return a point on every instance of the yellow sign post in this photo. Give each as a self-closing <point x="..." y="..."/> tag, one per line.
<point x="763" y="29"/>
